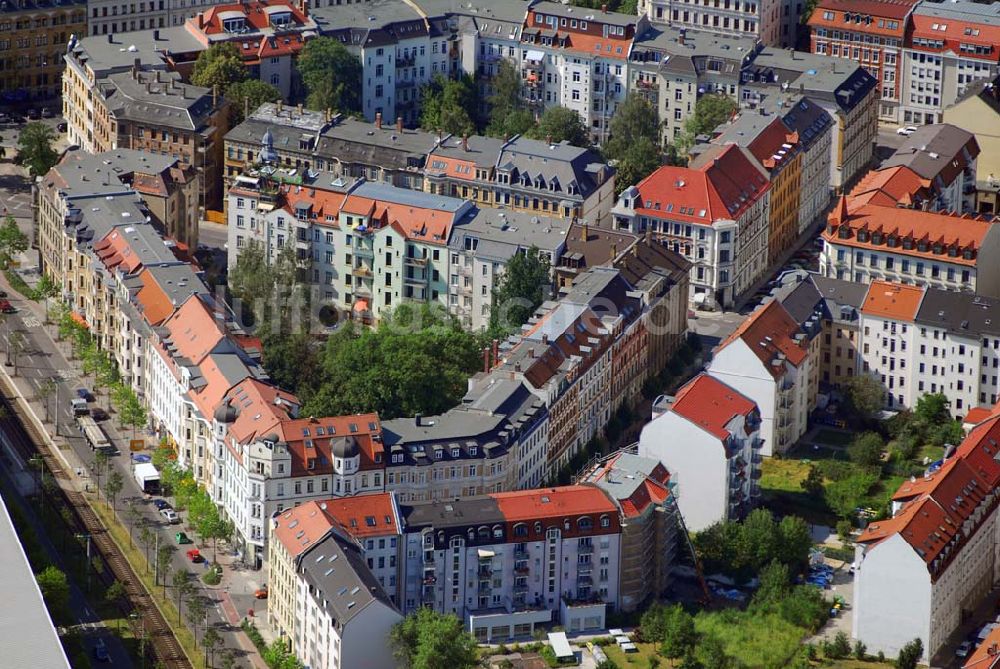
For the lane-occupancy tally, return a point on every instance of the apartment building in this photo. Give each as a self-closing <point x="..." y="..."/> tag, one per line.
<point x="304" y="142"/>
<point x="813" y="127"/>
<point x="507" y="562"/>
<point x="371" y="521"/>
<point x="845" y="90"/>
<point x="640" y="488"/>
<point x="764" y="21"/>
<point x="577" y="58"/>
<point x="987" y="656"/>
<point x="350" y="612"/>
<point x="671" y="67"/>
<point x="268" y="36"/>
<point x="949" y="47"/>
<point x="921" y="572"/>
<point x="708" y="438"/>
<point x="872" y="33"/>
<point x="944" y="157"/>
<point x="978" y="111"/>
<point x="481" y="246"/>
<point x="768" y="360"/>
<point x="713" y="213"/>
<point x="924" y="248"/>
<point x="34" y="35"/>
<point x="106" y="17"/>
<point x="776" y="150"/>
<point x="523" y="175"/>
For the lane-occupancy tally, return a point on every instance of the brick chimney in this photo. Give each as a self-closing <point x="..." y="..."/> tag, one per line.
<point x="465" y="142"/>
<point x="378" y="120"/>
<point x="604" y="9"/>
<point x="399" y="124"/>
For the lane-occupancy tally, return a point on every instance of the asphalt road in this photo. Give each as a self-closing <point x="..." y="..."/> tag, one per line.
<point x="212" y="235"/>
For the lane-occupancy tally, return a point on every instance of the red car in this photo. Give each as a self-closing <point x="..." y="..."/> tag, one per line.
<point x="6" y="307"/>
<point x="194" y="555"/>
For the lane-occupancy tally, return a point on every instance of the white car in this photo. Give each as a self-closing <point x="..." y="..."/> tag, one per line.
<point x="170" y="516"/>
<point x="963" y="649"/>
<point x="906" y="130"/>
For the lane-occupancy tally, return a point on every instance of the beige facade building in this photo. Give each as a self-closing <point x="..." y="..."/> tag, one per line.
<point x="978" y="111"/>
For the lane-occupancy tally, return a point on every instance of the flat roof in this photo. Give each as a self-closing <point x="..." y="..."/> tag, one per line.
<point x="27" y="635"/>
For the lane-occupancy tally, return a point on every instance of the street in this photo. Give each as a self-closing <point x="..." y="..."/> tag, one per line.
<point x="41" y="359"/>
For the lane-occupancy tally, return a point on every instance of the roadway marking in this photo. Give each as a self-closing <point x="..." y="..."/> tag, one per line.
<point x="31" y="322"/>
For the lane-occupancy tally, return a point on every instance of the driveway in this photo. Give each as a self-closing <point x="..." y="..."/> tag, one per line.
<point x="842" y="585"/>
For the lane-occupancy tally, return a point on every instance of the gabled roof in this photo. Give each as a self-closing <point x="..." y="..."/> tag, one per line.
<point x="711" y="404"/>
<point x="773" y="336"/>
<point x="312" y="453"/>
<point x="300" y="527"/>
<point x="634" y="482"/>
<point x="530" y="505"/>
<point x="720" y="185"/>
<point x="364" y="515"/>
<point x="894" y="301"/>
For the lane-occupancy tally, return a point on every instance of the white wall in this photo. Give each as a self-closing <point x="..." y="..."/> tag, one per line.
<point x="892" y="597"/>
<point x="740" y="368"/>
<point x="365" y="640"/>
<point x="697" y="464"/>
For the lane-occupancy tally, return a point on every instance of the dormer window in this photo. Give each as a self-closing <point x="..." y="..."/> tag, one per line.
<point x="234" y="24"/>
<point x="862" y="235"/>
<point x="876" y="238"/>
<point x="455" y="452"/>
<point x="473" y="450"/>
<point x="438" y="453"/>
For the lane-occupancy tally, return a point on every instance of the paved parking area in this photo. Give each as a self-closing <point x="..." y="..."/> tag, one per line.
<point x="843" y="586"/>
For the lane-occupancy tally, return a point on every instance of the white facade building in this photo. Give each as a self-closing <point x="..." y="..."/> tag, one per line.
<point x="708" y="438"/>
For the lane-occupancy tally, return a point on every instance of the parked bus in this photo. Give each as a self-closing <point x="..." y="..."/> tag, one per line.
<point x="95" y="436"/>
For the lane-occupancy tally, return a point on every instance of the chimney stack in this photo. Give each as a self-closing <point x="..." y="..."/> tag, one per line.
<point x="548" y="139"/>
<point x="545" y="338"/>
<point x="585" y="233"/>
<point x="135" y="68"/>
<point x="111" y="38"/>
<point x="278" y="108"/>
<point x="496" y="351"/>
<point x="378" y="120"/>
<point x="465" y="142"/>
<point x="604" y="9"/>
<point x="215" y="96"/>
<point x="399" y="124"/>
<point x="156" y="35"/>
<point x="486" y="360"/>
<point x="201" y="21"/>
<point x="614" y="252"/>
<point x="299" y="108"/>
<point x="417" y="419"/>
<point x="680" y="38"/>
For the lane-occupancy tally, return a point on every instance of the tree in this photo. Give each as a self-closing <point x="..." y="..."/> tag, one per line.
<point x="394" y="371"/>
<point x="34" y="149"/>
<point x="183" y="587"/>
<point x="219" y="66"/>
<point x="865" y="395"/>
<point x="561" y="123"/>
<point x="711" y="111"/>
<point x="427" y="639"/>
<point x="860" y="650"/>
<point x="634" y="141"/>
<point x="679" y="634"/>
<point x="55" y="589"/>
<point x="839" y="648"/>
<point x="146" y="538"/>
<point x="197" y="609"/>
<point x="164" y="553"/>
<point x="866" y="449"/>
<point x="99" y="465"/>
<point x="12" y="240"/>
<point x="227" y="658"/>
<point x="16" y="343"/>
<point x="133" y="517"/>
<point x="712" y="654"/>
<point x="813" y="482"/>
<point x="845" y="495"/>
<point x="133" y="413"/>
<point x="775" y="583"/>
<point x="910" y="654"/>
<point x="46" y="289"/>
<point x="116" y="595"/>
<point x="46" y="389"/>
<point x="449" y="105"/>
<point x="113" y="486"/>
<point x="652" y="624"/>
<point x="246" y="96"/>
<point x="287" y="356"/>
<point x="524" y="284"/>
<point x="210" y="642"/>
<point x="508" y="116"/>
<point x="251" y="279"/>
<point x="933" y="408"/>
<point x="331" y="75"/>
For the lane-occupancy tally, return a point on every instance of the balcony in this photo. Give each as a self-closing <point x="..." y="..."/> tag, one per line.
<point x="418" y="261"/>
<point x="522" y="570"/>
<point x="585" y="549"/>
<point x="363" y="252"/>
<point x="415" y="281"/>
<point x="362" y="290"/>
<point x="430" y="579"/>
<point x="361" y="270"/>
<point x="484" y="588"/>
<point x="405" y="61"/>
<point x="520" y="553"/>
<point x="427" y="596"/>
<point x="584" y="580"/>
<point x="402" y="84"/>
<point x="520" y="588"/>
<point x="645" y="84"/>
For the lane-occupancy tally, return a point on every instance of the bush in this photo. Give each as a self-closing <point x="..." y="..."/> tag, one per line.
<point x="805" y="607"/>
<point x="860" y="650"/>
<point x="213" y="576"/>
<point x="549" y="656"/>
<point x="866" y="449"/>
<point x="844" y="529"/>
<point x="910" y="654"/>
<point x="839" y="648"/>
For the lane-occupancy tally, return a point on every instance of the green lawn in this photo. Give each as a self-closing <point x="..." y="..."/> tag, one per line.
<point x="781" y="483"/>
<point x="640" y="659"/>
<point x="786" y="475"/>
<point x="758" y="642"/>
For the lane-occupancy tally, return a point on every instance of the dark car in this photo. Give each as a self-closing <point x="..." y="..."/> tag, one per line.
<point x="101" y="651"/>
<point x="46" y="112"/>
<point x="34" y="114"/>
<point x="6" y="307"/>
<point x="161" y="504"/>
<point x="98" y="414"/>
<point x="84" y="395"/>
<point x="61" y="126"/>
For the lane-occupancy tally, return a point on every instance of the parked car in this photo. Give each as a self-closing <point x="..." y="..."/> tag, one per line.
<point x="964" y="649"/>
<point x="3" y="293"/>
<point x="83" y="394"/>
<point x="34" y="114"/>
<point x="46" y="112"/>
<point x="6" y="307"/>
<point x="906" y="130"/>
<point x="170" y="516"/>
<point x="101" y="651"/>
<point x="195" y="555"/>
<point x="182" y="538"/>
<point x="161" y="504"/>
<point x="98" y="414"/>
<point x="260" y="593"/>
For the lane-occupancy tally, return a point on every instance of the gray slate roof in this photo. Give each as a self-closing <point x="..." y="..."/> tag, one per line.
<point x="960" y="313"/>
<point x="930" y="149"/>
<point x="627" y="474"/>
<point x="344" y="585"/>
<point x="116" y="53"/>
<point x="157" y="98"/>
<point x="502" y="233"/>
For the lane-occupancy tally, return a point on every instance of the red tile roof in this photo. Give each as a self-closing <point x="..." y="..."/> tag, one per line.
<point x="889" y="9"/>
<point x="301" y="527"/>
<point x="896" y="301"/>
<point x="770" y="333"/>
<point x="364" y="429"/>
<point x="956" y="32"/>
<point x="954" y="236"/>
<point x="711" y="404"/>
<point x="153" y="301"/>
<point x="254" y="12"/>
<point x="260" y="411"/>
<point x="987" y="656"/>
<point x="540" y="503"/>
<point x="364" y="515"/>
<point x="890" y="187"/>
<point x="977" y="415"/>
<point x="721" y="188"/>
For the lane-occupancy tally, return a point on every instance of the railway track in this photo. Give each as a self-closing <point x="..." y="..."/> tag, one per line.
<point x="29" y="442"/>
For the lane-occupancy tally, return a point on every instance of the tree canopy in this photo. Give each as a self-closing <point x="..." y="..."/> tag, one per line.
<point x="557" y="124"/>
<point x="449" y="105"/>
<point x="865" y="395"/>
<point x="219" y="65"/>
<point x="710" y="111"/>
<point x="395" y="371"/>
<point x="331" y="75"/>
<point x="742" y="549"/>
<point x="508" y="115"/>
<point x="426" y="639"/>
<point x="34" y="148"/>
<point x="634" y="141"/>
<point x="246" y="96"/>
<point x="12" y="240"/>
<point x="521" y="289"/>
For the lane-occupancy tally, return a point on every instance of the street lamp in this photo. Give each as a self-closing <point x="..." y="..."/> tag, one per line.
<point x="80" y="537"/>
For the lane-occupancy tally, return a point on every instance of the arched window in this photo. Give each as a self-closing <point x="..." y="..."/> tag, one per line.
<point x="585" y="523"/>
